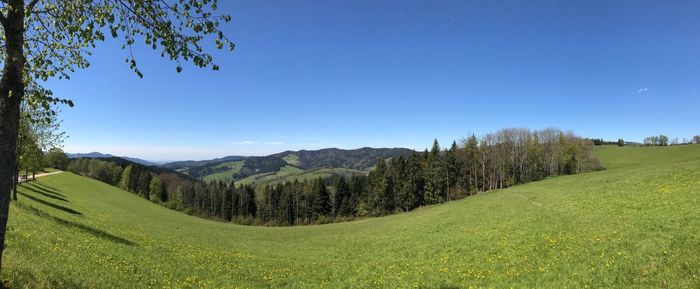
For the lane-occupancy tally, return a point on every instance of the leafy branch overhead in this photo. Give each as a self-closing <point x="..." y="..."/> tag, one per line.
<point x="59" y="35"/>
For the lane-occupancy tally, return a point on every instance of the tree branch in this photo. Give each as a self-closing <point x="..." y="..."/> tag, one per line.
<point x="3" y="20"/>
<point x="30" y="6"/>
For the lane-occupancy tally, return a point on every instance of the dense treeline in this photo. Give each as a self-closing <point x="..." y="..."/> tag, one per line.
<point x="660" y="140"/>
<point x="663" y="140"/>
<point x="599" y="142"/>
<point x="495" y="161"/>
<point x="39" y="131"/>
<point x="172" y="189"/>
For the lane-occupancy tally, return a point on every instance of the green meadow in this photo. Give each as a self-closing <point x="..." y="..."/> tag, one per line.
<point x="290" y="174"/>
<point x="291" y="159"/>
<point x="279" y="175"/>
<point x="230" y="168"/>
<point x="634" y="225"/>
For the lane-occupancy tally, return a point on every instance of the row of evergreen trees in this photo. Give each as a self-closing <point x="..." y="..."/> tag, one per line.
<point x="495" y="161"/>
<point x="599" y="142"/>
<point x="174" y="190"/>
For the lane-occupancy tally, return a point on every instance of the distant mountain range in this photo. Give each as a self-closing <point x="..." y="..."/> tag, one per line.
<point x="97" y="155"/>
<point x="358" y="159"/>
<point x="189" y="164"/>
<point x="285" y="165"/>
<point x="279" y="167"/>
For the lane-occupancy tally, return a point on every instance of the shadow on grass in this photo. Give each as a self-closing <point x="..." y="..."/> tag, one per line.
<point x="45" y="203"/>
<point x="82" y="227"/>
<point x="48" y="189"/>
<point x="16" y="277"/>
<point x="45" y="193"/>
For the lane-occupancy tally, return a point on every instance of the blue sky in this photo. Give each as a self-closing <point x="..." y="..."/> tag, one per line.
<point x="348" y="74"/>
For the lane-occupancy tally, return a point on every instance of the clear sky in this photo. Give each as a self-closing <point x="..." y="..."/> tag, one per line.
<point x="349" y="74"/>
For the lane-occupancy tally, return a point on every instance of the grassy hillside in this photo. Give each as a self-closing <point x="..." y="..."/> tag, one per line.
<point x="274" y="168"/>
<point x="270" y="177"/>
<point x="291" y="159"/>
<point x="230" y="168"/>
<point x="358" y="159"/>
<point x="181" y="165"/>
<point x="291" y="174"/>
<point x="634" y="225"/>
<point x="288" y="173"/>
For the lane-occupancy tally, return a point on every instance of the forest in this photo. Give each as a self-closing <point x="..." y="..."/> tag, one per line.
<point x="493" y="161"/>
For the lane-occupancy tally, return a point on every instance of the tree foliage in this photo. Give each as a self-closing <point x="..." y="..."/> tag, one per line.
<point x="660" y="140"/>
<point x="39" y="131"/>
<point x="56" y="158"/>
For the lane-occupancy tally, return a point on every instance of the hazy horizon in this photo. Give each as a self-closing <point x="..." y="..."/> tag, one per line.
<point x="219" y="156"/>
<point x="136" y="150"/>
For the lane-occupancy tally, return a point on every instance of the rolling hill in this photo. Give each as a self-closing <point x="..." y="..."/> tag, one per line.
<point x="188" y="164"/>
<point x="358" y="159"/>
<point x="633" y="225"/>
<point x="291" y="174"/>
<point x="229" y="169"/>
<point x="97" y="155"/>
<point x="288" y="165"/>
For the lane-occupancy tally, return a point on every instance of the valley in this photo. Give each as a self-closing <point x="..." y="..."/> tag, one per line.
<point x="287" y="166"/>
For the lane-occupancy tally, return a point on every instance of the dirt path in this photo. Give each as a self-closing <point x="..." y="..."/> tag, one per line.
<point x="41" y="175"/>
<point x="48" y="174"/>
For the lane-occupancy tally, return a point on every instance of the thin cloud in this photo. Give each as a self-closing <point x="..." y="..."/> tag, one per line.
<point x="644" y="89"/>
<point x="246" y="142"/>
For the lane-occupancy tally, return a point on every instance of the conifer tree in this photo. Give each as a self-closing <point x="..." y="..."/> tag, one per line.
<point x="342" y="198"/>
<point x="322" y="203"/>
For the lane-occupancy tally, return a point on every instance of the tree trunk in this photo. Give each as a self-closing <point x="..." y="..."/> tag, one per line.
<point x="11" y="94"/>
<point x="15" y="180"/>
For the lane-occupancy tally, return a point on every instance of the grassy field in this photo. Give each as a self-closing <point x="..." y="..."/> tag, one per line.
<point x="291" y="174"/>
<point x="291" y="159"/>
<point x="634" y="225"/>
<point x="284" y="172"/>
<point x="233" y="167"/>
<point x="325" y="173"/>
<point x="287" y="173"/>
